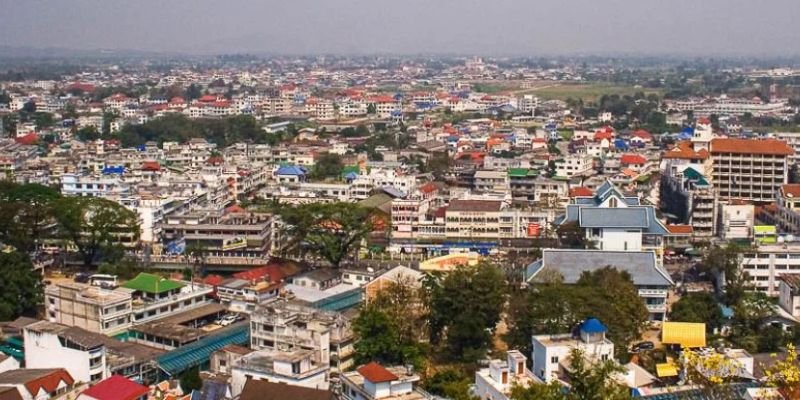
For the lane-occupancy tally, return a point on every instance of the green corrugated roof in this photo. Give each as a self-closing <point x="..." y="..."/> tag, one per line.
<point x="350" y="168"/>
<point x="518" y="172"/>
<point x="196" y="353"/>
<point x="150" y="283"/>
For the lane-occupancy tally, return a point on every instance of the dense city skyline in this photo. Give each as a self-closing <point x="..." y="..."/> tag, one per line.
<point x="511" y="27"/>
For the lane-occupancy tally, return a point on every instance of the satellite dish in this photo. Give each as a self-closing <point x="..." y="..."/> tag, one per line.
<point x="790" y="238"/>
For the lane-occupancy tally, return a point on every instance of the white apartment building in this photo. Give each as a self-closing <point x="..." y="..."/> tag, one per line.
<point x="93" y="186"/>
<point x="491" y="181"/>
<point x="527" y="103"/>
<point x="496" y="381"/>
<point x="50" y="345"/>
<point x="768" y="263"/>
<point x="88" y="307"/>
<point x="551" y="352"/>
<point x="788" y="212"/>
<point x="574" y="164"/>
<point x="293" y="367"/>
<point x="736" y="221"/>
<point x="789" y="294"/>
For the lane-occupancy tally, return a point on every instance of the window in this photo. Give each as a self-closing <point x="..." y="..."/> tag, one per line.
<point x="604" y="357"/>
<point x="612" y="202"/>
<point x="554" y="360"/>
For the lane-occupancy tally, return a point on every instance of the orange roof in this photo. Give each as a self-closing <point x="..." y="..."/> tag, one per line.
<point x="633" y="159"/>
<point x="684" y="151"/>
<point x="581" y="191"/>
<point x="750" y="146"/>
<point x="791" y="190"/>
<point x="680" y="229"/>
<point x="376" y="373"/>
<point x="49" y="382"/>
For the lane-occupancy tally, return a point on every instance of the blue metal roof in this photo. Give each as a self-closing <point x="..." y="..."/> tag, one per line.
<point x="593" y="325"/>
<point x="193" y="354"/>
<point x="291" y="170"/>
<point x="340" y="301"/>
<point x="119" y="170"/>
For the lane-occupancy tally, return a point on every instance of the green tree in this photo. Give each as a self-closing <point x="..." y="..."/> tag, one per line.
<point x="371" y="109"/>
<point x="724" y="261"/>
<point x="194" y="91"/>
<point x="380" y="339"/>
<point x="328" y="165"/>
<point x="190" y="380"/>
<point x="87" y="133"/>
<point x="438" y="164"/>
<point x="572" y="236"/>
<point x="21" y="291"/>
<point x="551" y="307"/>
<point x="95" y="226"/>
<point x="25" y="212"/>
<point x="362" y="130"/>
<point x="464" y="309"/>
<point x="589" y="381"/>
<point x="70" y="111"/>
<point x="617" y="304"/>
<point x="698" y="307"/>
<point x="332" y="231"/>
<point x="450" y="383"/>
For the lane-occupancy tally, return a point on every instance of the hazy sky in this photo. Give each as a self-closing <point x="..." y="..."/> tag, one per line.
<point x="524" y="27"/>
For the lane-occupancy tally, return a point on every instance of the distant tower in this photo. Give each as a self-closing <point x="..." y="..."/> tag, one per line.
<point x="703" y="133"/>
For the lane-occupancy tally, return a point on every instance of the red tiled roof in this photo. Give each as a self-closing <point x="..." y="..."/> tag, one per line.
<point x="636" y="159"/>
<point x="273" y="271"/>
<point x="213" y="280"/>
<point x="151" y="166"/>
<point x="643" y="134"/>
<point x="750" y="146"/>
<point x="49" y="382"/>
<point x="704" y="121"/>
<point x="28" y="139"/>
<point x="376" y="373"/>
<point x="680" y="229"/>
<point x="234" y="209"/>
<point x="791" y="190"/>
<point x="207" y="99"/>
<point x="475" y="205"/>
<point x="429" y="187"/>
<point x="116" y="387"/>
<point x="177" y="100"/>
<point x="581" y="191"/>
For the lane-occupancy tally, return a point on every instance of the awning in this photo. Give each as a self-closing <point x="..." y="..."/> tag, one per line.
<point x="666" y="370"/>
<point x="685" y="334"/>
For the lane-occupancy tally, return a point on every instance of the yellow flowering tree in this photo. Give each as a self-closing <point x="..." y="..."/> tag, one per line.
<point x="785" y="374"/>
<point x="712" y="373"/>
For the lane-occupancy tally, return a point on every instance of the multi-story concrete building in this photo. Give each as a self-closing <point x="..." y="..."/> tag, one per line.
<point x="768" y="263"/>
<point x="283" y="325"/>
<point x="50" y="345"/>
<point x="788" y="208"/>
<point x="232" y="232"/>
<point x="751" y="170"/>
<point x="575" y="165"/>
<point x="297" y="367"/>
<point x="736" y="221"/>
<point x="88" y="307"/>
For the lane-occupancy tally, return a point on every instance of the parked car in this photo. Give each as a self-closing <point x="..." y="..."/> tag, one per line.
<point x="227" y="320"/>
<point x="647" y="345"/>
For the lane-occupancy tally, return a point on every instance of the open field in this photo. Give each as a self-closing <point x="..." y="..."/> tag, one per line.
<point x="588" y="91"/>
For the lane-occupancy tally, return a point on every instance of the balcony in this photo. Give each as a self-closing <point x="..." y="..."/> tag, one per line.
<point x="656" y="307"/>
<point x="653" y="292"/>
